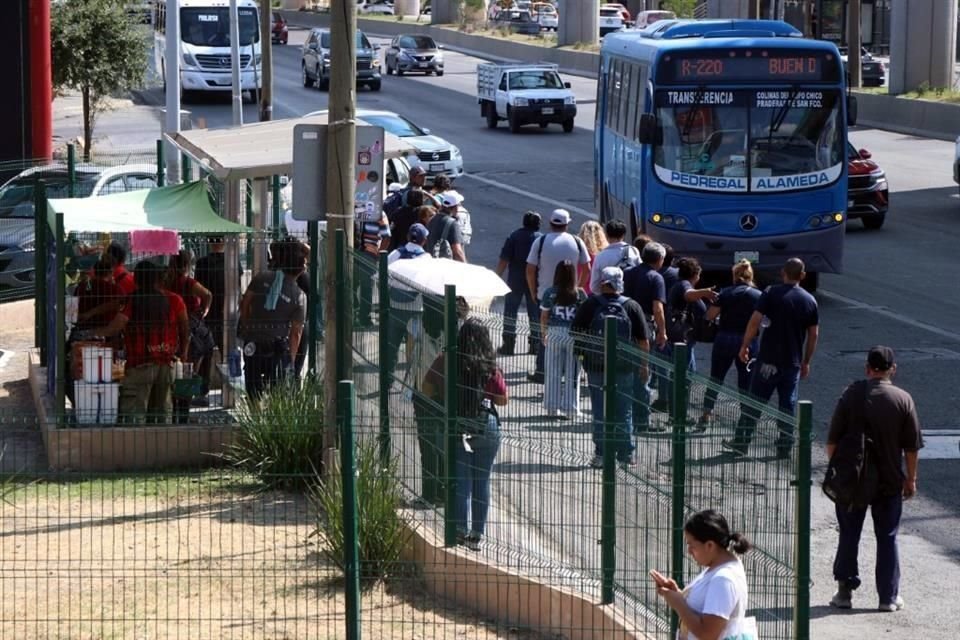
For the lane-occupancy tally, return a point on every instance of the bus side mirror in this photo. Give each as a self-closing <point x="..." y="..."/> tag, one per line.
<point x="648" y="130"/>
<point x="852" y="110"/>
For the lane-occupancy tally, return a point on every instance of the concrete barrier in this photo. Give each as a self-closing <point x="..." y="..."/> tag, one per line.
<point x="924" y="118"/>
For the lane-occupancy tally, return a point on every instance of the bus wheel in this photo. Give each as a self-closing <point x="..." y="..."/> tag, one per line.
<point x="811" y="282"/>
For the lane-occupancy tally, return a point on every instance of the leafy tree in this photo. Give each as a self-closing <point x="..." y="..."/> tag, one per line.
<point x="683" y="8"/>
<point x="98" y="50"/>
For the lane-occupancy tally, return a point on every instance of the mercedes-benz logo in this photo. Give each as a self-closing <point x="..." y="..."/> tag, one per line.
<point x="748" y="222"/>
<point x="436" y="155"/>
<point x="225" y="62"/>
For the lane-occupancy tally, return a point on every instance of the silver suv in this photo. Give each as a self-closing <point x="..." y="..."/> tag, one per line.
<point x="17" y="211"/>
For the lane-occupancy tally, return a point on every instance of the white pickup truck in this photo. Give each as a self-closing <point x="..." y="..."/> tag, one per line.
<point x="524" y="94"/>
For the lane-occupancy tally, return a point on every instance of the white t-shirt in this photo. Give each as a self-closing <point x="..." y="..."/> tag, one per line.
<point x="721" y="592"/>
<point x="557" y="247"/>
<point x="611" y="257"/>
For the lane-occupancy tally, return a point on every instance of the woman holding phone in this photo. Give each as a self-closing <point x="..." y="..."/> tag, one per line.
<point x="714" y="605"/>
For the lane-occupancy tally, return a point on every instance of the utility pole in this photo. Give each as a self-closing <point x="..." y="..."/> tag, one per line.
<point x="854" y="75"/>
<point x="171" y="71"/>
<point x="41" y="89"/>
<point x="235" y="63"/>
<point x="266" y="52"/>
<point x="341" y="184"/>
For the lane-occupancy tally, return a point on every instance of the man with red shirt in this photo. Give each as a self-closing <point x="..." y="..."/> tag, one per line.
<point x="156" y="332"/>
<point x="121" y="277"/>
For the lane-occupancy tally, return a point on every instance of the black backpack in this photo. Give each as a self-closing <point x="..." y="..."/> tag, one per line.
<point x="680" y="324"/>
<point x="852" y="477"/>
<point x="591" y="350"/>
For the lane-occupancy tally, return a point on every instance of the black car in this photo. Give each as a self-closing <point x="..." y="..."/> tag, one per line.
<point x="873" y="72"/>
<point x="517" y="21"/>
<point x="315" y="61"/>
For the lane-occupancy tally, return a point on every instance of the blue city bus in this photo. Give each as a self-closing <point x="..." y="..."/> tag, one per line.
<point x="727" y="140"/>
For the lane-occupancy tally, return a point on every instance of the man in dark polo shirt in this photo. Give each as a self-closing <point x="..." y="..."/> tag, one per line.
<point x="786" y="349"/>
<point x="888" y="415"/>
<point x="513" y="260"/>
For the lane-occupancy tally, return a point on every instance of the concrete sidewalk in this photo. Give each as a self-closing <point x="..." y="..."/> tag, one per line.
<point x="123" y="128"/>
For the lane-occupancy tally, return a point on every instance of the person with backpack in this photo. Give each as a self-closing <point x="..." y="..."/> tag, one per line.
<point x="446" y="234"/>
<point x="617" y="253"/>
<point x="876" y="418"/>
<point x="372" y="236"/>
<point x="198" y="300"/>
<point x="403" y="218"/>
<point x="549" y="250"/>
<point x="588" y="329"/>
<point x="399" y="198"/>
<point x="561" y="390"/>
<point x="513" y="260"/>
<point x="596" y="241"/>
<point x="406" y="304"/>
<point x="686" y="305"/>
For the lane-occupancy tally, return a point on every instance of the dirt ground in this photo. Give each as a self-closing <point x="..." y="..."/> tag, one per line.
<point x="137" y="559"/>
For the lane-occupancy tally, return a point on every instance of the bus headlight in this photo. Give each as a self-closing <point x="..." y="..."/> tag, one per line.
<point x="825" y="220"/>
<point x="670" y="220"/>
<point x="189" y="60"/>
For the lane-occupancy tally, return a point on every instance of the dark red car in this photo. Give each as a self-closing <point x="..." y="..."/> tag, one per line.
<point x="279" y="30"/>
<point x="868" y="195"/>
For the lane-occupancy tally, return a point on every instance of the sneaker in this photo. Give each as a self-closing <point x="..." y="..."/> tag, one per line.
<point x="472" y="541"/>
<point x="629" y="462"/>
<point x="734" y="450"/>
<point x="843" y="598"/>
<point x="597" y="461"/>
<point x="420" y="504"/>
<point x="896" y="605"/>
<point x="702" y="423"/>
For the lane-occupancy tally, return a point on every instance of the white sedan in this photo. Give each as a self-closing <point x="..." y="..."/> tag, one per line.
<point x="382" y="7"/>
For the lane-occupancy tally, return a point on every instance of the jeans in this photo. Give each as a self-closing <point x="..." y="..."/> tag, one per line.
<point x="364" y="270"/>
<point x="641" y="403"/>
<point x="430" y="426"/>
<point x="886" y="511"/>
<point x="661" y="380"/>
<point x="264" y="368"/>
<point x="623" y="441"/>
<point x="396" y="335"/>
<point x="766" y="379"/>
<point x="726" y="352"/>
<point x="472" y="472"/>
<point x="561" y="389"/>
<point x="511" y="305"/>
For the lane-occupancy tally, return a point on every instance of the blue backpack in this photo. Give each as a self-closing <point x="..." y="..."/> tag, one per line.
<point x="592" y="350"/>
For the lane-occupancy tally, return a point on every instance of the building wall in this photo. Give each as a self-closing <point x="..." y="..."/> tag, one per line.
<point x="15" y="137"/>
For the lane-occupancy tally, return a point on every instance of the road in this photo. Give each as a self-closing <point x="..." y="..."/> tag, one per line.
<point x="896" y="290"/>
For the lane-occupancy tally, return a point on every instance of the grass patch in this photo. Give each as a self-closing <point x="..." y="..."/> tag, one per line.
<point x="936" y="94"/>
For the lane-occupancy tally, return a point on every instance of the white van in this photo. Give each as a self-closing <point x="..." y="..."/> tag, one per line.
<point x="647" y="18"/>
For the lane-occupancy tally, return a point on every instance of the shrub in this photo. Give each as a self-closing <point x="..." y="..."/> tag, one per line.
<point x="380" y="529"/>
<point x="280" y="439"/>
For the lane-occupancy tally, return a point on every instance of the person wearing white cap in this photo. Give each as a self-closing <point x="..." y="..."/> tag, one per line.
<point x="549" y="250"/>
<point x="446" y="235"/>
<point x="452" y="201"/>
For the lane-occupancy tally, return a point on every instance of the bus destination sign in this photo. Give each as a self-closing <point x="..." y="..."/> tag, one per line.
<point x="749" y="66"/>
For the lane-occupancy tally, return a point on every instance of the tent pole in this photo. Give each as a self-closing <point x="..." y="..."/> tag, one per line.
<point x="231" y="297"/>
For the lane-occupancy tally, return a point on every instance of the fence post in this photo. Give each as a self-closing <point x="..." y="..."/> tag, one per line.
<point x="186" y="169"/>
<point x="451" y="408"/>
<point x="60" y="263"/>
<point x="611" y="443"/>
<point x="383" y="313"/>
<point x="313" y="300"/>
<point x="678" y="414"/>
<point x="71" y="170"/>
<point x="344" y="305"/>
<point x="275" y="204"/>
<point x="161" y="167"/>
<point x="801" y="622"/>
<point x="248" y="220"/>
<point x="351" y="551"/>
<point x="40" y="268"/>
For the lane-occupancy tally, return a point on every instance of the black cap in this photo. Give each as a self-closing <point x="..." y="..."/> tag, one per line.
<point x="880" y="358"/>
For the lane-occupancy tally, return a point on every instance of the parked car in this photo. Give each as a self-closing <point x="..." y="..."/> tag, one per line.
<point x="624" y="12"/>
<point x="647" y="18"/>
<point x="956" y="162"/>
<point x="375" y="7"/>
<point x="411" y="52"/>
<point x="610" y="20"/>
<point x="278" y="33"/>
<point x="546" y="16"/>
<point x="873" y="72"/>
<point x="517" y="21"/>
<point x="868" y="194"/>
<point x="436" y="155"/>
<point x="17" y="211"/>
<point x="315" y="61"/>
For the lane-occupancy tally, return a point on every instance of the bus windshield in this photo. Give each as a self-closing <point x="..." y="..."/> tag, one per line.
<point x="750" y="140"/>
<point x="210" y="26"/>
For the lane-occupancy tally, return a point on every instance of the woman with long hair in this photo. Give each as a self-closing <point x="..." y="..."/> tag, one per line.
<point x="482" y="388"/>
<point x="156" y="332"/>
<point x="734" y="307"/>
<point x="561" y="390"/>
<point x="596" y="241"/>
<point x="714" y="604"/>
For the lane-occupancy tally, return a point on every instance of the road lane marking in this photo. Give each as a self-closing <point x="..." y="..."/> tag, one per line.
<point x="557" y="204"/>
<point x="893" y="315"/>
<point x="941" y="444"/>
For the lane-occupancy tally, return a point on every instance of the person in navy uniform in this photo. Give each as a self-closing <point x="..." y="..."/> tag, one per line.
<point x="513" y="260"/>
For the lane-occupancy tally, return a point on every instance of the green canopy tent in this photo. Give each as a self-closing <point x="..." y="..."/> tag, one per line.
<point x="184" y="208"/>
